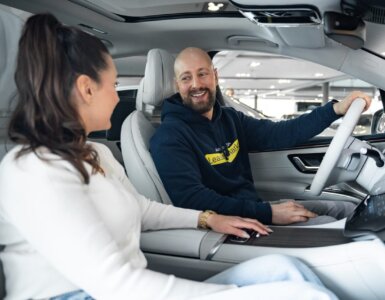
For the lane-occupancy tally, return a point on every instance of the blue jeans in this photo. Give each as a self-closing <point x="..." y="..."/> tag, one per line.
<point x="270" y="268"/>
<point x="75" y="295"/>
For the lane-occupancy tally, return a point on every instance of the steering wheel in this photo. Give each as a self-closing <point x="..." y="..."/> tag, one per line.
<point x="337" y="146"/>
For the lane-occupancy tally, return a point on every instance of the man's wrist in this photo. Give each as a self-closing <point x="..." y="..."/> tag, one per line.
<point x="335" y="107"/>
<point x="203" y="217"/>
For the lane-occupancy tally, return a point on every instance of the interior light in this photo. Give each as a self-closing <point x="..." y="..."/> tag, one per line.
<point x="242" y="75"/>
<point x="318" y="74"/>
<point x="254" y="64"/>
<point x="281" y="81"/>
<point x="383" y="53"/>
<point x="212" y="6"/>
<point x="222" y="80"/>
<point x="320" y="95"/>
<point x="272" y="86"/>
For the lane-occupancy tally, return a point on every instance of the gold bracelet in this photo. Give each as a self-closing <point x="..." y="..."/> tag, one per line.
<point x="202" y="222"/>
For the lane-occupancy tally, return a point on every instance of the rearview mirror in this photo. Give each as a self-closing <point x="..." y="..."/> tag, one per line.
<point x="347" y="30"/>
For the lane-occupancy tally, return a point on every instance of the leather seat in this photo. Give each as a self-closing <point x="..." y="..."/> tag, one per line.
<point x="10" y="25"/>
<point x="10" y="29"/>
<point x="138" y="128"/>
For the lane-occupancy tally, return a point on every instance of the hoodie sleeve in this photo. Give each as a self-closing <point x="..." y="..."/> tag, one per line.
<point x="268" y="135"/>
<point x="178" y="168"/>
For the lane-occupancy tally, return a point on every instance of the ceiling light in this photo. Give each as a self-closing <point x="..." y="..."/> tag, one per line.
<point x="318" y="74"/>
<point x="320" y="95"/>
<point x="214" y="6"/>
<point x="254" y="64"/>
<point x="281" y="81"/>
<point x="272" y="86"/>
<point x="242" y="75"/>
<point x="222" y="80"/>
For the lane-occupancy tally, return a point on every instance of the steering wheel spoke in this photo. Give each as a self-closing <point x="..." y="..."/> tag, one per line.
<point x="336" y="147"/>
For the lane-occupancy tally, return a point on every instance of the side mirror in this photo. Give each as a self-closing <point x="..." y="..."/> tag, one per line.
<point x="378" y="122"/>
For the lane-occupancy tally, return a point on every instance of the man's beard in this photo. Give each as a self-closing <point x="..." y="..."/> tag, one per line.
<point x="200" y="108"/>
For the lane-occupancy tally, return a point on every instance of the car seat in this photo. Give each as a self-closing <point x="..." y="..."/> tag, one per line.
<point x="138" y="128"/>
<point x="10" y="25"/>
<point x="10" y="28"/>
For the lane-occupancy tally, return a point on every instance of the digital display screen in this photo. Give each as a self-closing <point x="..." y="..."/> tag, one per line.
<point x="369" y="216"/>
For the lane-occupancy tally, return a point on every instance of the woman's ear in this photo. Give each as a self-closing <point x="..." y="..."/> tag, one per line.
<point x="85" y="88"/>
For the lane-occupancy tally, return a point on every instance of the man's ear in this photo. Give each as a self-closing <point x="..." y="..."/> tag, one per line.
<point x="176" y="85"/>
<point x="85" y="87"/>
<point x="216" y="76"/>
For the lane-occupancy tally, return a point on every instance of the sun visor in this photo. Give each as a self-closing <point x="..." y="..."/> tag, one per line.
<point x="347" y="30"/>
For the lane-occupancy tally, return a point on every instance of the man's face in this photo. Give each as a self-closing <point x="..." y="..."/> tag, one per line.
<point x="196" y="81"/>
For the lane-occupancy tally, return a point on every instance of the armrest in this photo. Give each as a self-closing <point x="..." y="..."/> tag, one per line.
<point x="181" y="242"/>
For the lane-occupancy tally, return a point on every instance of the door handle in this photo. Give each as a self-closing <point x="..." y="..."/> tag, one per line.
<point x="303" y="167"/>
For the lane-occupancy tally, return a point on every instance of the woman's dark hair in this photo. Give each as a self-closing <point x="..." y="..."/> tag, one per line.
<point x="51" y="57"/>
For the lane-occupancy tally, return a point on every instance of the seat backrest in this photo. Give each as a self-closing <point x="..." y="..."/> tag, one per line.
<point x="138" y="128"/>
<point x="10" y="29"/>
<point x="2" y="279"/>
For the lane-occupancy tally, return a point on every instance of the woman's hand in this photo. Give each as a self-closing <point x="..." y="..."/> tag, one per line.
<point x="236" y="225"/>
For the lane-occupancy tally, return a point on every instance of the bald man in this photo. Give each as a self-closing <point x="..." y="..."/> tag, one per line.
<point x="201" y="149"/>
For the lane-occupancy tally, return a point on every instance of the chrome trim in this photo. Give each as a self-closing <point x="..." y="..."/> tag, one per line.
<point x="215" y="248"/>
<point x="301" y="165"/>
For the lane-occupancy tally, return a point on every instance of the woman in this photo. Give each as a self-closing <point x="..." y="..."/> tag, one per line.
<point x="69" y="217"/>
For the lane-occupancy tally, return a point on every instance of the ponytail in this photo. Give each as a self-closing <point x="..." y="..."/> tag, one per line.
<point x="51" y="57"/>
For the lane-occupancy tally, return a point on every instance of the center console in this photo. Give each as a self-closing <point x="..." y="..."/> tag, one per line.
<point x="293" y="237"/>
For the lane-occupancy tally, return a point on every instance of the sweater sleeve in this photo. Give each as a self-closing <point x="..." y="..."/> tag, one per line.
<point x="56" y="215"/>
<point x="268" y="135"/>
<point x="178" y="167"/>
<point x="155" y="215"/>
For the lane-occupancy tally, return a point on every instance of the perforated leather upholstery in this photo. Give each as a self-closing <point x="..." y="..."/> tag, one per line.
<point x="137" y="129"/>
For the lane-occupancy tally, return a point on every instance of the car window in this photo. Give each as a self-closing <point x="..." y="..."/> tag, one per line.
<point x="283" y="88"/>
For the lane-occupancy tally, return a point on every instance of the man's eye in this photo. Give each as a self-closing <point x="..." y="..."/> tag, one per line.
<point x="116" y="84"/>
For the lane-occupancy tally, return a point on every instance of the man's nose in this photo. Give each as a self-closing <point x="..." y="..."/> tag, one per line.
<point x="196" y="82"/>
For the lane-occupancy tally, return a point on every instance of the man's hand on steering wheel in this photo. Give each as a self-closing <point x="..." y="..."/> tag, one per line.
<point x="342" y="107"/>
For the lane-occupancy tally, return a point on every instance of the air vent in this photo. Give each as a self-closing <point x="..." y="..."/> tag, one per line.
<point x="284" y="16"/>
<point x="375" y="15"/>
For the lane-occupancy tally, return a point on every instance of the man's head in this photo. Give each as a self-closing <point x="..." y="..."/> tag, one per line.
<point x="196" y="80"/>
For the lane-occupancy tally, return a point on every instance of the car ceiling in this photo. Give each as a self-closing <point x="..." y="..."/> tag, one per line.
<point x="130" y="41"/>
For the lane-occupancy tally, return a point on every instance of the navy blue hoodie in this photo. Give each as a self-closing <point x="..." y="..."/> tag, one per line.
<point x="204" y="163"/>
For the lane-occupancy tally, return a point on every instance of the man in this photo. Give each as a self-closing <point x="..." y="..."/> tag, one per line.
<point x="201" y="149"/>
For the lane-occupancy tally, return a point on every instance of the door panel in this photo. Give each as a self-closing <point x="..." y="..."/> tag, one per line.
<point x="277" y="177"/>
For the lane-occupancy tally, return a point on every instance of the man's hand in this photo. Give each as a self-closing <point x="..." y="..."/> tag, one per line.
<point x="342" y="107"/>
<point x="234" y="225"/>
<point x="290" y="212"/>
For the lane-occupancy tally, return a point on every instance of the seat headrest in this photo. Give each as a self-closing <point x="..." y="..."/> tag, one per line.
<point x="158" y="81"/>
<point x="10" y="30"/>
